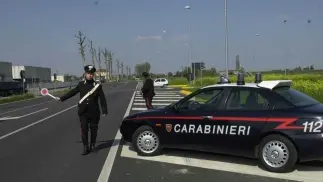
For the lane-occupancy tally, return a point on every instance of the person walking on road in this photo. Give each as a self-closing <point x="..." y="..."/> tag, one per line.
<point x="147" y="90"/>
<point x="88" y="107"/>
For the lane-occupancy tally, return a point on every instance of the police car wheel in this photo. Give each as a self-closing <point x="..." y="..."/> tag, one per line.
<point x="146" y="141"/>
<point x="277" y="154"/>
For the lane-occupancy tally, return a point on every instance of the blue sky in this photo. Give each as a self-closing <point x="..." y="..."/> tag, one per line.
<point x="41" y="32"/>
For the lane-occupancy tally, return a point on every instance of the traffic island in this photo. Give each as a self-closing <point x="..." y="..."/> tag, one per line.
<point x="185" y="92"/>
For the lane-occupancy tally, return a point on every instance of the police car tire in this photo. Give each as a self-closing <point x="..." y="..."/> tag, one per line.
<point x="136" y="135"/>
<point x="293" y="155"/>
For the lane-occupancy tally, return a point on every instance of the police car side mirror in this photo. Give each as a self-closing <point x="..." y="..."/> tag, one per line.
<point x="194" y="105"/>
<point x="175" y="108"/>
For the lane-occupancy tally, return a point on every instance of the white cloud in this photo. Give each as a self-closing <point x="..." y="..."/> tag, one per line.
<point x="181" y="37"/>
<point x="143" y="38"/>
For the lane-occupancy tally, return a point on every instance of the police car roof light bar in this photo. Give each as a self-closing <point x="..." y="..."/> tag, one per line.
<point x="223" y="80"/>
<point x="271" y="84"/>
<point x="240" y="79"/>
<point x="258" y="77"/>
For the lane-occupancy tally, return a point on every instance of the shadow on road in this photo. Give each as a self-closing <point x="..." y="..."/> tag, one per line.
<point x="104" y="144"/>
<point x="305" y="166"/>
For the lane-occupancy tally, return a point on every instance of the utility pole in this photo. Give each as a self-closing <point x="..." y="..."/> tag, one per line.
<point x="188" y="8"/>
<point x="118" y="66"/>
<point x="127" y="72"/>
<point x="226" y="39"/>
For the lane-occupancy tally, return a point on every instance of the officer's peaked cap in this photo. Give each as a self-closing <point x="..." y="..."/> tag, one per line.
<point x="89" y="69"/>
<point x="145" y="74"/>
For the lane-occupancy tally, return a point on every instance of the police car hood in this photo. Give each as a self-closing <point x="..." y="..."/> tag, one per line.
<point x="150" y="112"/>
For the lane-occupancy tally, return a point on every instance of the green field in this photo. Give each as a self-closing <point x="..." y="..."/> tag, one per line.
<point x="311" y="84"/>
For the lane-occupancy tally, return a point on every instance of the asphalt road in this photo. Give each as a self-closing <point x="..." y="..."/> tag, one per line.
<point x="45" y="146"/>
<point x="49" y="151"/>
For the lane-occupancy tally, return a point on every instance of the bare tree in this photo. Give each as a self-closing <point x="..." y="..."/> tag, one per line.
<point x="118" y="66"/>
<point x="122" y="76"/>
<point x="107" y="62"/>
<point x="110" y="58"/>
<point x="98" y="59"/>
<point x="92" y="52"/>
<point x="80" y="36"/>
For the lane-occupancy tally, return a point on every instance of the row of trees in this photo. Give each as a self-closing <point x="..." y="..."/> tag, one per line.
<point x="142" y="67"/>
<point x="185" y="70"/>
<point x="101" y="54"/>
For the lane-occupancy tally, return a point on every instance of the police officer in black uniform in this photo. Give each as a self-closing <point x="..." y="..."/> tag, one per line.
<point x="147" y="90"/>
<point x="88" y="107"/>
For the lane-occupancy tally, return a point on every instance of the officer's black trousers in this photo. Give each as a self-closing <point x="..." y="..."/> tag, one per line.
<point x="85" y="122"/>
<point x="148" y="101"/>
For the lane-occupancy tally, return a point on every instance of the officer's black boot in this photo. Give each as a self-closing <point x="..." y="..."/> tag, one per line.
<point x="86" y="150"/>
<point x="93" y="140"/>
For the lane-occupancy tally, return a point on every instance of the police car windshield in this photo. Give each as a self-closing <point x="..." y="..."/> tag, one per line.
<point x="295" y="97"/>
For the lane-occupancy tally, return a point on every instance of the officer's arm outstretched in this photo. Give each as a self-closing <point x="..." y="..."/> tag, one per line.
<point x="71" y="93"/>
<point x="103" y="101"/>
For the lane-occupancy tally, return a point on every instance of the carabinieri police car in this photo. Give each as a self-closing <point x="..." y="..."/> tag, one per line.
<point x="268" y="120"/>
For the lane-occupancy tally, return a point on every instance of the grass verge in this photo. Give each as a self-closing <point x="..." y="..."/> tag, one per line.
<point x="15" y="98"/>
<point x="59" y="92"/>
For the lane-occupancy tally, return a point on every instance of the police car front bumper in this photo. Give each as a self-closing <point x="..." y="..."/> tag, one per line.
<point x="309" y="146"/>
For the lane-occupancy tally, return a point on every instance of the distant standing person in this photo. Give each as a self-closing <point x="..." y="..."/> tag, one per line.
<point x="88" y="106"/>
<point x="147" y="90"/>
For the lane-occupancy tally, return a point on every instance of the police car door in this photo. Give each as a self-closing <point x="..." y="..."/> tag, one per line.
<point x="240" y="120"/>
<point x="193" y="120"/>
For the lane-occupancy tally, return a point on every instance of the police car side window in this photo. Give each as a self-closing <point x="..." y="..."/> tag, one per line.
<point x="205" y="100"/>
<point x="247" y="99"/>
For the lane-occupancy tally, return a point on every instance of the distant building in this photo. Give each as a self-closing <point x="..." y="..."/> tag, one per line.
<point x="231" y="72"/>
<point x="5" y="71"/>
<point x="103" y="72"/>
<point x="33" y="74"/>
<point x="64" y="78"/>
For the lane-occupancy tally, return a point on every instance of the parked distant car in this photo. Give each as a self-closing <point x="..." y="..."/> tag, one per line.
<point x="161" y="82"/>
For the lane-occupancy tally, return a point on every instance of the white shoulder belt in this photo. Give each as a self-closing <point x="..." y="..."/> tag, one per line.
<point x="89" y="93"/>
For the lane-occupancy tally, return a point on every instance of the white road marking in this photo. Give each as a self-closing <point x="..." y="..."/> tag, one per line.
<point x="166" y="93"/>
<point x="108" y="164"/>
<point x="142" y="100"/>
<point x="32" y="124"/>
<point x="24" y="108"/>
<point x="154" y="104"/>
<point x="138" y="109"/>
<point x="236" y="165"/>
<point x="18" y="117"/>
<point x="163" y="97"/>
